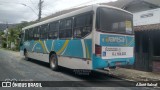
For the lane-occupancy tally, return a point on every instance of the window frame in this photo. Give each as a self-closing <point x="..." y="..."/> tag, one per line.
<point x="90" y="13"/>
<point x="64" y="29"/>
<point x="44" y="33"/>
<point x="54" y="29"/>
<point x="36" y="33"/>
<point x="114" y="32"/>
<point x="30" y="36"/>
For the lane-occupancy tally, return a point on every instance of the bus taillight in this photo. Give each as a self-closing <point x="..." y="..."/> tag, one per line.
<point x="98" y="50"/>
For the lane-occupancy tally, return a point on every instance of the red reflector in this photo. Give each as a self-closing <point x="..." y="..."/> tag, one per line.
<point x="98" y="50"/>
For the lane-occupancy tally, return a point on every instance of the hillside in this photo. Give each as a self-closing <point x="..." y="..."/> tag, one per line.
<point x="4" y="26"/>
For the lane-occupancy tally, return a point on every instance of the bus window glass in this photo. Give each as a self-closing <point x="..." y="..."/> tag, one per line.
<point x="112" y="20"/>
<point x="82" y="25"/>
<point x="68" y="24"/>
<point x="62" y="25"/>
<point x="30" y="34"/>
<point x="80" y="21"/>
<point x="53" y="31"/>
<point x="44" y="31"/>
<point x="52" y="26"/>
<point x="65" y="28"/>
<point x="26" y="35"/>
<point x="36" y="33"/>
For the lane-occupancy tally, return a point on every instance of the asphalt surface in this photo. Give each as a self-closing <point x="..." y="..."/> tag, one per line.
<point x="13" y="66"/>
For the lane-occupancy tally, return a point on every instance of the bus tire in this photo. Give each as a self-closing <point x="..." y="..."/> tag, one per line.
<point x="26" y="55"/>
<point x="53" y="61"/>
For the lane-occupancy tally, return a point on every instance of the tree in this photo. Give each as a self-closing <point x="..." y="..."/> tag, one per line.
<point x="3" y="39"/>
<point x="13" y="34"/>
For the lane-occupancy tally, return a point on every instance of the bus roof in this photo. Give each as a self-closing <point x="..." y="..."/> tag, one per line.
<point x="72" y="13"/>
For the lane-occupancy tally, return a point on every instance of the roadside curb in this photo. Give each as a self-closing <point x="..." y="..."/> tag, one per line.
<point x="132" y="78"/>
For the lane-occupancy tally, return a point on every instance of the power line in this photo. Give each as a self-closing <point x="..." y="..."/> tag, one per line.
<point x="80" y="4"/>
<point x="20" y="4"/>
<point x="68" y="8"/>
<point x="7" y="2"/>
<point x="85" y="3"/>
<point x="33" y="4"/>
<point x="29" y="7"/>
<point x="39" y="7"/>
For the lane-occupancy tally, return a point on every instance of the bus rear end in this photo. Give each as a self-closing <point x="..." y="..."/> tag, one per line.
<point x="114" y="38"/>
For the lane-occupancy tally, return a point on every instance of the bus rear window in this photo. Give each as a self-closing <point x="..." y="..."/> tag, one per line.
<point x="113" y="20"/>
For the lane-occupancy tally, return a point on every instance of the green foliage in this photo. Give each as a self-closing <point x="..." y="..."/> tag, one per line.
<point x="2" y="40"/>
<point x="1" y="33"/>
<point x="13" y="36"/>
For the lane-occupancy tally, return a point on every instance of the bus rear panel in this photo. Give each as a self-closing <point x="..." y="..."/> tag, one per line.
<point x="114" y="39"/>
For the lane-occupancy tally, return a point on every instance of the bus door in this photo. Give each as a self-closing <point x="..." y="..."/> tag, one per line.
<point x="21" y="36"/>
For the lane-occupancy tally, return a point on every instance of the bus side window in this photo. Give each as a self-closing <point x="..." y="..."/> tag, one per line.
<point x="82" y="25"/>
<point x="44" y="30"/>
<point x="30" y="34"/>
<point x="36" y="33"/>
<point x="53" y="30"/>
<point x="62" y="29"/>
<point x="68" y="26"/>
<point x="40" y="32"/>
<point x="65" y="30"/>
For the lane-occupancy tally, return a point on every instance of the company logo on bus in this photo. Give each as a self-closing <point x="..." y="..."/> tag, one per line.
<point x="115" y="39"/>
<point x="27" y="44"/>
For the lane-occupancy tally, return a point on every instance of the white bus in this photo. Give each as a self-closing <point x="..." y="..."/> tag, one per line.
<point x="92" y="37"/>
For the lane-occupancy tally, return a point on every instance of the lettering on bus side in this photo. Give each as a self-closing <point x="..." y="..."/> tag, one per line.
<point x="115" y="39"/>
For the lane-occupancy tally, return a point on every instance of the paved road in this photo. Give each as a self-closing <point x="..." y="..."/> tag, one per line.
<point x="13" y="66"/>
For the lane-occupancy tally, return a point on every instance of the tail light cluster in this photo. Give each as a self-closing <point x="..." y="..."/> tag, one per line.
<point x="98" y="50"/>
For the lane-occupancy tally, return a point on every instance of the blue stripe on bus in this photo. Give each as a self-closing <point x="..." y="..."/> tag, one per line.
<point x="73" y="48"/>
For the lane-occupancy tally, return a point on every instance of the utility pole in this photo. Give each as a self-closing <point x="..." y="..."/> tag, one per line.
<point x="40" y="9"/>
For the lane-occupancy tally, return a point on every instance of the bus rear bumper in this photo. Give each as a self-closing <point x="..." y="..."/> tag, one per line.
<point x="99" y="63"/>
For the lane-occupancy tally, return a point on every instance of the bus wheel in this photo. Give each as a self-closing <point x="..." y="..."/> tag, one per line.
<point x="26" y="55"/>
<point x="53" y="62"/>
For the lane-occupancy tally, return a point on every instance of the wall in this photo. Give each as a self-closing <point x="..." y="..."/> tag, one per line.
<point x="138" y="7"/>
<point x="146" y="17"/>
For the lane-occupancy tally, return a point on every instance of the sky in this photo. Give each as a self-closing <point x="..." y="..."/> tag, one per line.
<point x="16" y="11"/>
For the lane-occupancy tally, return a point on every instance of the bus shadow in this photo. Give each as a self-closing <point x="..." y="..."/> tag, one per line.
<point x="41" y="63"/>
<point x="88" y="75"/>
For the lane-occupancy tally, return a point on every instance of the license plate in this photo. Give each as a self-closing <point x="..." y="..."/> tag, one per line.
<point x="117" y="52"/>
